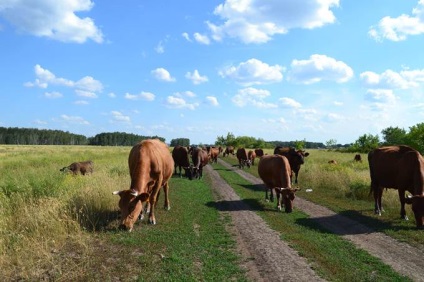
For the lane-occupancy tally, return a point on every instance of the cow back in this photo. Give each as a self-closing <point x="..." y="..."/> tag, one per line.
<point x="242" y="154"/>
<point x="274" y="170"/>
<point x="180" y="156"/>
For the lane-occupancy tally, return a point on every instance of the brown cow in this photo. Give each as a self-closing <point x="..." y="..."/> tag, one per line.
<point x="199" y="158"/>
<point x="229" y="150"/>
<point x="251" y="155"/>
<point x="243" y="158"/>
<point x="259" y="152"/>
<point x="151" y="166"/>
<point x="213" y="154"/>
<point x="180" y="157"/>
<point x="401" y="168"/>
<point x="332" y="162"/>
<point x="274" y="170"/>
<point x="357" y="158"/>
<point x="296" y="158"/>
<point x="80" y="167"/>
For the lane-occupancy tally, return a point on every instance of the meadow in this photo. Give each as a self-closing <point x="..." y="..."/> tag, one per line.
<point x="55" y="226"/>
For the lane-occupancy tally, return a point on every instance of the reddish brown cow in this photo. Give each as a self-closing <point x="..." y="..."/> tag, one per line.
<point x="80" y="167"/>
<point x="243" y="158"/>
<point x="251" y="155"/>
<point x="229" y="150"/>
<point x="357" y="158"/>
<point x="296" y="159"/>
<point x="213" y="154"/>
<point x="274" y="170"/>
<point x="259" y="152"/>
<point x="151" y="166"/>
<point x="180" y="157"/>
<point x="199" y="158"/>
<point x="401" y="168"/>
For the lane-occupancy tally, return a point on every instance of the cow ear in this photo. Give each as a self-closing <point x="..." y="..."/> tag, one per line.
<point x="143" y="197"/>
<point x="306" y="154"/>
<point x="408" y="200"/>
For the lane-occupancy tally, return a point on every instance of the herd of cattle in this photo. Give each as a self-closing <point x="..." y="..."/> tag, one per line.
<point x="151" y="166"/>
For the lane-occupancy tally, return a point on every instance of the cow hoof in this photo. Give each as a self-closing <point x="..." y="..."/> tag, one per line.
<point x="152" y="222"/>
<point x="167" y="208"/>
<point x="404" y="217"/>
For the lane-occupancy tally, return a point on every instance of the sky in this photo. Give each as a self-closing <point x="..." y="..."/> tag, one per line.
<point x="286" y="70"/>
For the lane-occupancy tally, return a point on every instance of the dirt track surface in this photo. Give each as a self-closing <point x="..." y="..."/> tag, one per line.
<point x="268" y="264"/>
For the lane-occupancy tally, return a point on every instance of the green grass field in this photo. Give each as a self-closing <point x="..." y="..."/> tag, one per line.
<point x="55" y="226"/>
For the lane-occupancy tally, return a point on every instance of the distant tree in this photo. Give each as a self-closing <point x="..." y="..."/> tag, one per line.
<point x="365" y="143"/>
<point x="394" y="136"/>
<point x="415" y="137"/>
<point x="299" y="144"/>
<point x="331" y="144"/>
<point x="180" y="141"/>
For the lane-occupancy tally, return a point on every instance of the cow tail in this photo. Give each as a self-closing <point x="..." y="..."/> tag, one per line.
<point x="370" y="155"/>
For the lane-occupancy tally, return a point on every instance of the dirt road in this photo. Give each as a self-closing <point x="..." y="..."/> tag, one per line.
<point x="269" y="263"/>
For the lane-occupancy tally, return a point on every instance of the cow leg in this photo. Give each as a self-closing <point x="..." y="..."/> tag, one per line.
<point x="378" y="193"/>
<point x="271" y="198"/>
<point x="402" y="204"/>
<point x="167" y="206"/>
<point x="279" y="199"/>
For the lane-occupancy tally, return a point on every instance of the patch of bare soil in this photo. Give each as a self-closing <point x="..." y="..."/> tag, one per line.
<point x="266" y="263"/>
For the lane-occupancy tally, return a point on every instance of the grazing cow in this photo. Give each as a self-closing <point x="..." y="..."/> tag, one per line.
<point x="180" y="157"/>
<point x="251" y="155"/>
<point x="401" y="168"/>
<point x="357" y="158"/>
<point x="259" y="152"/>
<point x="80" y="167"/>
<point x="151" y="166"/>
<point x="332" y="162"/>
<point x="243" y="158"/>
<point x="296" y="158"/>
<point x="199" y="158"/>
<point x="274" y="170"/>
<point x="229" y="150"/>
<point x="213" y="154"/>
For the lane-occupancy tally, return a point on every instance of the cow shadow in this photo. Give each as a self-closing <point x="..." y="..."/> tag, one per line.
<point x="236" y="205"/>
<point x="222" y="169"/>
<point x="349" y="222"/>
<point x="254" y="187"/>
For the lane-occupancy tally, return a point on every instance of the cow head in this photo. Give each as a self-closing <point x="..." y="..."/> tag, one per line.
<point x="417" y="203"/>
<point x="131" y="206"/>
<point x="189" y="172"/>
<point x="288" y="195"/>
<point x="248" y="163"/>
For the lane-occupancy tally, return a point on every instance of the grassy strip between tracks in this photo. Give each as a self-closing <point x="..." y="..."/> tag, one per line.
<point x="331" y="256"/>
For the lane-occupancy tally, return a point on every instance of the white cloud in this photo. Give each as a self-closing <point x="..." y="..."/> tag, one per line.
<point x="112" y="95"/>
<point x="73" y="120"/>
<point x="196" y="78"/>
<point x="252" y="96"/>
<point x="398" y="29"/>
<point x="162" y="75"/>
<point x="186" y="36"/>
<point x="253" y="72"/>
<point x="318" y="68"/>
<point x="213" y="101"/>
<point x="259" y="21"/>
<point x="86" y="86"/>
<point x="118" y="116"/>
<point x="53" y="19"/>
<point x="390" y="79"/>
<point x="200" y="38"/>
<point x="290" y="103"/>
<point x="53" y="94"/>
<point x="179" y="103"/>
<point x="160" y="49"/>
<point x="380" y="99"/>
<point x="81" y="102"/>
<point x="147" y="96"/>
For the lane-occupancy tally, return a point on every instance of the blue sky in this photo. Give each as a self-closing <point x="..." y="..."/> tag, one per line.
<point x="284" y="70"/>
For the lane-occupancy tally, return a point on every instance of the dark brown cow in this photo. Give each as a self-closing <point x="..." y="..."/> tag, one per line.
<point x="199" y="158"/>
<point x="332" y="162"/>
<point x="251" y="155"/>
<point x="243" y="158"/>
<point x="213" y="154"/>
<point x="229" y="150"/>
<point x="274" y="170"/>
<point x="259" y="152"/>
<point x="401" y="168"/>
<point x="151" y="166"/>
<point x="357" y="158"/>
<point x="296" y="158"/>
<point x="180" y="157"/>
<point x="80" y="167"/>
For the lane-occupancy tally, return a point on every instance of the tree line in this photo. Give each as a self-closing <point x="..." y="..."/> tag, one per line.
<point x="34" y="136"/>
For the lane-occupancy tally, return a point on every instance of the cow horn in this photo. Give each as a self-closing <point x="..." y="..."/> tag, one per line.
<point x="116" y="192"/>
<point x="134" y="193"/>
<point x="409" y="196"/>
